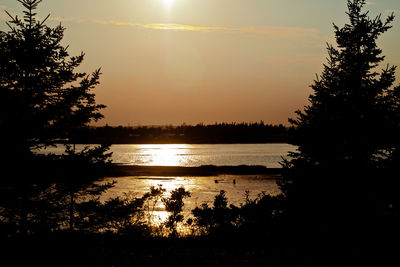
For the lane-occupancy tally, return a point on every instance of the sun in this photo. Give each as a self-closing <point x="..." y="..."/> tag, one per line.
<point x="168" y="3"/>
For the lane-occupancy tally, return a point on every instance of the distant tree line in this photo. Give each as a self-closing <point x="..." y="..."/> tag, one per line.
<point x="220" y="133"/>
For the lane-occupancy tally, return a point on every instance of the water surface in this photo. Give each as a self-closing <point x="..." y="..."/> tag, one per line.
<point x="202" y="189"/>
<point x="187" y="155"/>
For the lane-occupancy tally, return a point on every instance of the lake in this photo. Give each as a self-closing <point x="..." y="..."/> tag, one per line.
<point x="196" y="155"/>
<point x="202" y="189"/>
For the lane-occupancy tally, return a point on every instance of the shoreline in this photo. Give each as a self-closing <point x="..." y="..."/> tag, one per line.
<point x="118" y="170"/>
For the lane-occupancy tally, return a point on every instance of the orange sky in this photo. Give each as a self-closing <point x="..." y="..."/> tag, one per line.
<point x="191" y="61"/>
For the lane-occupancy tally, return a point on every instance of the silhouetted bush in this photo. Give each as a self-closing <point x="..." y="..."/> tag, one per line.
<point x="129" y="215"/>
<point x="220" y="219"/>
<point x="174" y="205"/>
<point x="254" y="219"/>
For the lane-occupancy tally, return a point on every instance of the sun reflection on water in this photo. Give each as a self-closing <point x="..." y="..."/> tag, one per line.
<point x="165" y="154"/>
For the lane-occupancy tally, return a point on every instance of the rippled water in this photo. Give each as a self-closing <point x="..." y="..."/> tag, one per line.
<point x="196" y="155"/>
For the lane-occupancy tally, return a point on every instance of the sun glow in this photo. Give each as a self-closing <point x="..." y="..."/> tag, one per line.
<point x="168" y="3"/>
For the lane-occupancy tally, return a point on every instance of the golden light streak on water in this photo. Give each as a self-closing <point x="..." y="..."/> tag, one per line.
<point x="165" y="155"/>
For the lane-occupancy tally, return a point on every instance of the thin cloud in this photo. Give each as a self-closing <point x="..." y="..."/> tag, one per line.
<point x="271" y="32"/>
<point x="153" y="26"/>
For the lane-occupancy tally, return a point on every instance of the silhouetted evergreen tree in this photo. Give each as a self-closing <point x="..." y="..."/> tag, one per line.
<point x="41" y="94"/>
<point x="42" y="98"/>
<point x="339" y="183"/>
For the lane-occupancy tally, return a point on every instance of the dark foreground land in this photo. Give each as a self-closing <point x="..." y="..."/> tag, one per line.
<point x="208" y="170"/>
<point x="73" y="249"/>
<point x="277" y="242"/>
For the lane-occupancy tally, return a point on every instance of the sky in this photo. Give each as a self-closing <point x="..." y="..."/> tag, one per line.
<point x="203" y="61"/>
